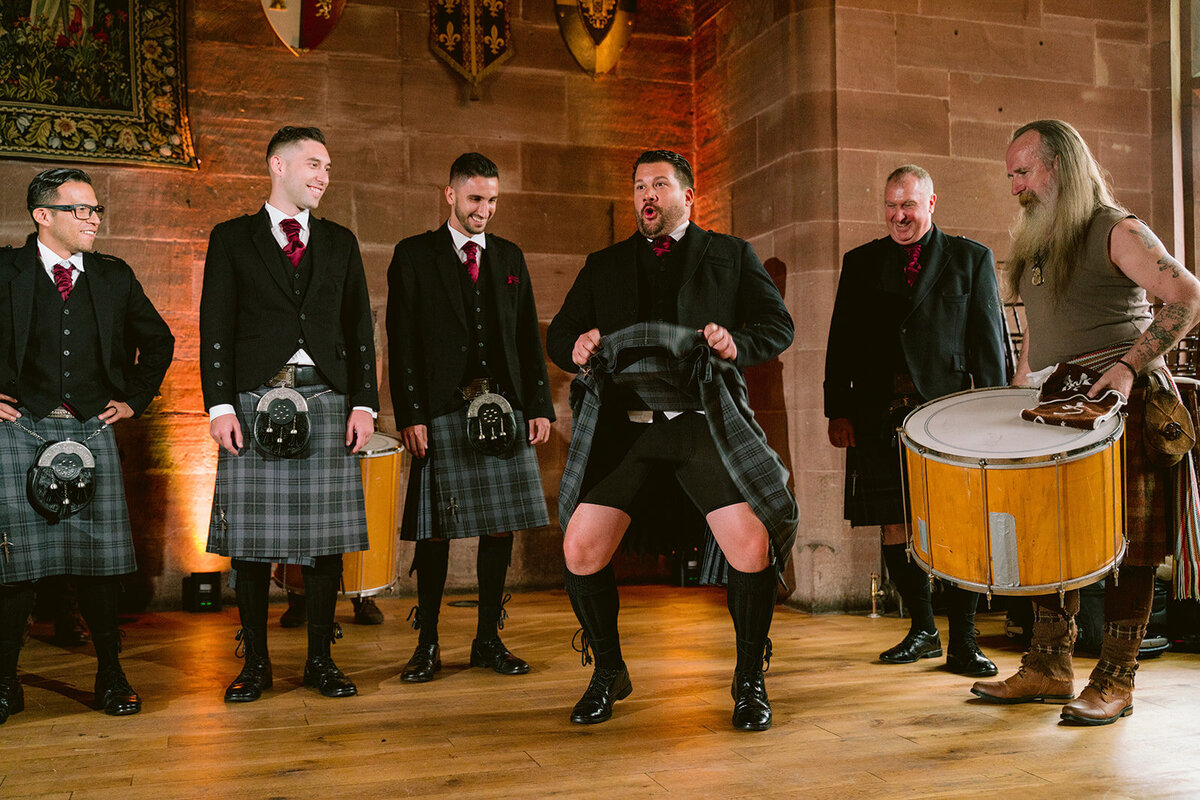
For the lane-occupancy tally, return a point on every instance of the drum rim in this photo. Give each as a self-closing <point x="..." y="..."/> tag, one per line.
<point x="1032" y="589"/>
<point x="397" y="446"/>
<point x="999" y="462"/>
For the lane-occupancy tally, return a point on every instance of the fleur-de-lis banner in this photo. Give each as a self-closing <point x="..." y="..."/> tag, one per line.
<point x="472" y="36"/>
<point x="596" y="31"/>
<point x="303" y="24"/>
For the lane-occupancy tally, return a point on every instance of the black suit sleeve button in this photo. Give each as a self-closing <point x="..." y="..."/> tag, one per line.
<point x="220" y="383"/>
<point x="216" y="345"/>
<point x="362" y="348"/>
<point x="540" y="383"/>
<point x="217" y="364"/>
<point x="366" y="366"/>
<point x="410" y="388"/>
<point x="416" y="405"/>
<point x="367" y="385"/>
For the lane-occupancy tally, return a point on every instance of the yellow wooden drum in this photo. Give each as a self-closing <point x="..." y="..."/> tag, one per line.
<point x="1003" y="506"/>
<point x="384" y="474"/>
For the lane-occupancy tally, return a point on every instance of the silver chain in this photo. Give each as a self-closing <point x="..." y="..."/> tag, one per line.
<point x="35" y="435"/>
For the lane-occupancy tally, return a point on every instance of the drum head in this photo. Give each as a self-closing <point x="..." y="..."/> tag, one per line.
<point x="986" y="424"/>
<point x="379" y="444"/>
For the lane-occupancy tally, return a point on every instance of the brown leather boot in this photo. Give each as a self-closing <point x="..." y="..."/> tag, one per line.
<point x="1109" y="693"/>
<point x="1045" y="673"/>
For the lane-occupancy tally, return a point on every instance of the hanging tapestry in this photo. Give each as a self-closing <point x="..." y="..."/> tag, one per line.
<point x="94" y="80"/>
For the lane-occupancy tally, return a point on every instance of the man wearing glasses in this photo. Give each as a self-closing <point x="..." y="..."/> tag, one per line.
<point x="82" y="349"/>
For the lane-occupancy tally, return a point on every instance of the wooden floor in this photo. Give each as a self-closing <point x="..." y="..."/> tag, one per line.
<point x="844" y="726"/>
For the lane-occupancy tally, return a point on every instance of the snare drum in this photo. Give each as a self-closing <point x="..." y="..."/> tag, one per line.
<point x="369" y="572"/>
<point x="1003" y="506"/>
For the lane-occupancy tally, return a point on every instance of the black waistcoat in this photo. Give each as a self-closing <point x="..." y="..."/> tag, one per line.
<point x="62" y="359"/>
<point x="658" y="283"/>
<point x="485" y="356"/>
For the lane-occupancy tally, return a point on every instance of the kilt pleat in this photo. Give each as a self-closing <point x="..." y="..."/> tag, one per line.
<point x="290" y="509"/>
<point x="460" y="492"/>
<point x="96" y="541"/>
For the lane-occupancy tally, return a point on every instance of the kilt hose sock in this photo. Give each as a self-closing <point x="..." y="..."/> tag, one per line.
<point x="430" y="561"/>
<point x="597" y="604"/>
<point x="252" y="590"/>
<point x="16" y="602"/>
<point x="491" y="566"/>
<point x="322" y="581"/>
<point x="98" y="598"/>
<point x="1127" y="608"/>
<point x="750" y="597"/>
<point x="913" y="585"/>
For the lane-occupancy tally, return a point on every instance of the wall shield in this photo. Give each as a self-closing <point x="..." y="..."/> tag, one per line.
<point x="303" y="24"/>
<point x="596" y="31"/>
<point x="472" y="36"/>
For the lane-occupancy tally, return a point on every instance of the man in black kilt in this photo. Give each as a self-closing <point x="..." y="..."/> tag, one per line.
<point x="287" y="366"/>
<point x="917" y="317"/>
<point x="670" y="271"/>
<point x="81" y="349"/>
<point x="472" y="398"/>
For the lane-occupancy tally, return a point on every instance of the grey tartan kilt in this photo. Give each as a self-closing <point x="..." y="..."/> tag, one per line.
<point x="96" y="541"/>
<point x="461" y="492"/>
<point x="290" y="510"/>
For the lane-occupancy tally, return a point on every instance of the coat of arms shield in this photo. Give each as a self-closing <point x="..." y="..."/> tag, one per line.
<point x="596" y="31"/>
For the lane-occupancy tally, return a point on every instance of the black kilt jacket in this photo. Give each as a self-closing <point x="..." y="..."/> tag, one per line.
<point x="252" y="319"/>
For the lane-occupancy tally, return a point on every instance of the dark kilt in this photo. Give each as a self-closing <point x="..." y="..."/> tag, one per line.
<point x="290" y="509"/>
<point x="490" y="495"/>
<point x="1147" y="494"/>
<point x="874" y="492"/>
<point x="96" y="541"/>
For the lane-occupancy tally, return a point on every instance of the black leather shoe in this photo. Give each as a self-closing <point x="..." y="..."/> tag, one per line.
<point x="606" y="687"/>
<point x="917" y="644"/>
<point x="114" y="695"/>
<point x="751" y="708"/>
<point x="426" y="660"/>
<point x="967" y="659"/>
<point x="366" y="612"/>
<point x="12" y="698"/>
<point x="492" y="653"/>
<point x="250" y="683"/>
<point x="320" y="672"/>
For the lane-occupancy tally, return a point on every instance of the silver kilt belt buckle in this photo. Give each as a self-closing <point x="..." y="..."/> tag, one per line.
<point x="281" y="427"/>
<point x="62" y="480"/>
<point x="491" y="425"/>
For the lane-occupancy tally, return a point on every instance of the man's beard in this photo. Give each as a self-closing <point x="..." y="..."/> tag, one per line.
<point x="666" y="220"/>
<point x="1031" y="234"/>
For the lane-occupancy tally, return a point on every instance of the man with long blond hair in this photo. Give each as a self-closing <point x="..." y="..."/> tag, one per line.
<point x="1084" y="266"/>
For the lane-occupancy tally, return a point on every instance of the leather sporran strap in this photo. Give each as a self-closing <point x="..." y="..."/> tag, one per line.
<point x="61" y="482"/>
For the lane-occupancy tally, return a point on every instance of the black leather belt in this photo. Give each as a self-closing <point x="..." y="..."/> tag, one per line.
<point x="477" y="387"/>
<point x="292" y="375"/>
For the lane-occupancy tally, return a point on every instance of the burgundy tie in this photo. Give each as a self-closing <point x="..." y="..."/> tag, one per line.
<point x="62" y="279"/>
<point x="661" y="245"/>
<point x="294" y="249"/>
<point x="471" y="251"/>
<point x="913" y="268"/>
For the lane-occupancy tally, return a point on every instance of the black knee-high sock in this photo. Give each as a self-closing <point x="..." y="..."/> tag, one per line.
<point x="750" y="597"/>
<point x="98" y="597"/>
<point x="491" y="566"/>
<point x="913" y="585"/>
<point x="430" y="561"/>
<point x="16" y="601"/>
<point x="597" y="604"/>
<point x="961" y="611"/>
<point x="321" y="583"/>
<point x="252" y="587"/>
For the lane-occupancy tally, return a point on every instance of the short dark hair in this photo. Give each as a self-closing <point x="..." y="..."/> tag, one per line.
<point x="46" y="183"/>
<point x="473" y="165"/>
<point x="288" y="134"/>
<point x="683" y="170"/>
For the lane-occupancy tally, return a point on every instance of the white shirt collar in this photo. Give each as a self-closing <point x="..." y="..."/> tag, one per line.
<point x="676" y="234"/>
<point x="50" y="259"/>
<point x="461" y="238"/>
<point x="276" y="215"/>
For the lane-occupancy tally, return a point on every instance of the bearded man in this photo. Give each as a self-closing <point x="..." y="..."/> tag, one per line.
<point x="669" y="272"/>
<point x="1083" y="265"/>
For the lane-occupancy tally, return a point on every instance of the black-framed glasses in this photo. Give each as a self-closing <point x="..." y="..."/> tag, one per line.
<point x="82" y="211"/>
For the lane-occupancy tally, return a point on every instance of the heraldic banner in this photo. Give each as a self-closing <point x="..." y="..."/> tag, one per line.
<point x="472" y="36"/>
<point x="94" y="80"/>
